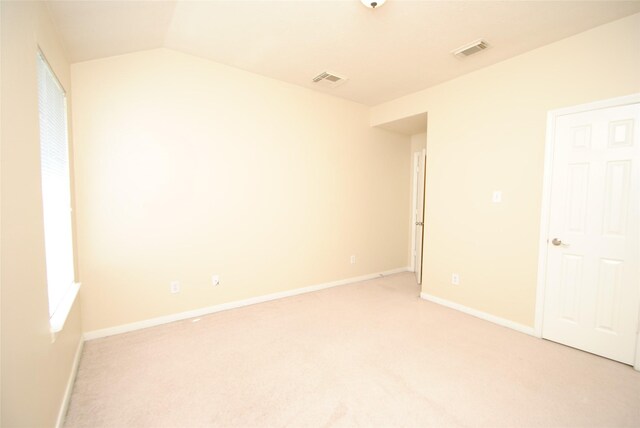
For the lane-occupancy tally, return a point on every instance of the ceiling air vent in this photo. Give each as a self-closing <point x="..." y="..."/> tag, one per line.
<point x="471" y="48"/>
<point x="329" y="79"/>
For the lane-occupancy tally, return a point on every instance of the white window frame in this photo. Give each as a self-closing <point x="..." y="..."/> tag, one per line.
<point x="59" y="312"/>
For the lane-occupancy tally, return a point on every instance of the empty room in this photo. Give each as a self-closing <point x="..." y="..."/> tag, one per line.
<point x="320" y="213"/>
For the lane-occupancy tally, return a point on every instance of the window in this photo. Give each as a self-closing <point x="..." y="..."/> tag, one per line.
<point x="56" y="194"/>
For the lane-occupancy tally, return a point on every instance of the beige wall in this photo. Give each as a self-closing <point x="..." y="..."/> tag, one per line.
<point x="34" y="370"/>
<point x="487" y="132"/>
<point x="187" y="168"/>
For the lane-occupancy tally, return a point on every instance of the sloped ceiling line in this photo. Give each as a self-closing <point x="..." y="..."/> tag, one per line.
<point x="386" y="53"/>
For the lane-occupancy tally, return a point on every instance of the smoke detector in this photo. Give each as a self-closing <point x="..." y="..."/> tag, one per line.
<point x="329" y="79"/>
<point x="471" y="48"/>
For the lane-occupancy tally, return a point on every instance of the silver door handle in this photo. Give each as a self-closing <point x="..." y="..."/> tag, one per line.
<point x="558" y="242"/>
<point x="419" y="223"/>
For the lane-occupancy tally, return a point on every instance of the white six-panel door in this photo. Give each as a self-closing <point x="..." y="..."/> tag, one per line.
<point x="592" y="285"/>
<point x="419" y="215"/>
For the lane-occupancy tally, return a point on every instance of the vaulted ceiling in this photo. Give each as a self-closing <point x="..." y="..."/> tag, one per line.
<point x="402" y="47"/>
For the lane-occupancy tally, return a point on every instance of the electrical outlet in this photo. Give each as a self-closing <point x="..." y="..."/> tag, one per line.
<point x="215" y="280"/>
<point x="455" y="279"/>
<point x="497" y="196"/>
<point x="175" y="287"/>
<point x="352" y="260"/>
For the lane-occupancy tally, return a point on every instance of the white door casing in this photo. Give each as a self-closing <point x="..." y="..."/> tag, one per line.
<point x="589" y="282"/>
<point x="419" y="215"/>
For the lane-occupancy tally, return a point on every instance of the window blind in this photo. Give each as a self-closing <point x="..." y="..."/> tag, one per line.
<point x="56" y="187"/>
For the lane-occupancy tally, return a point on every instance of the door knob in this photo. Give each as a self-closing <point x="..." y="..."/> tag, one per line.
<point x="556" y="242"/>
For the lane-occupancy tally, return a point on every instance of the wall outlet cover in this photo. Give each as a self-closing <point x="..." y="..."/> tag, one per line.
<point x="174" y="287"/>
<point x="455" y="279"/>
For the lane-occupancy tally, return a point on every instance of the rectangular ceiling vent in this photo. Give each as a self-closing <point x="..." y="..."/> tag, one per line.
<point x="329" y="79"/>
<point x="471" y="48"/>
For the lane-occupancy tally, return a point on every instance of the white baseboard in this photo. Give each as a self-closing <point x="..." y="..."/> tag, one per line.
<point x="479" y="314"/>
<point x="69" y="389"/>
<point x="96" y="334"/>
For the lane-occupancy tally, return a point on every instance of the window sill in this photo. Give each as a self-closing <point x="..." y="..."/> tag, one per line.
<point x="59" y="317"/>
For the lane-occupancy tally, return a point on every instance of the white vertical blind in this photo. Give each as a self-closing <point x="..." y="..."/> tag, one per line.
<point x="56" y="187"/>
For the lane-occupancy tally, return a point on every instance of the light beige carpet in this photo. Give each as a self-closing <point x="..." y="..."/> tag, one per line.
<point x="368" y="354"/>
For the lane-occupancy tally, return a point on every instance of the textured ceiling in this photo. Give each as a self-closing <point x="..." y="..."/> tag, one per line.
<point x="400" y="48"/>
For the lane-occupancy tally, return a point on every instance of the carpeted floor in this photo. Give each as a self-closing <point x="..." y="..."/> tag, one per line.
<point x="368" y="354"/>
